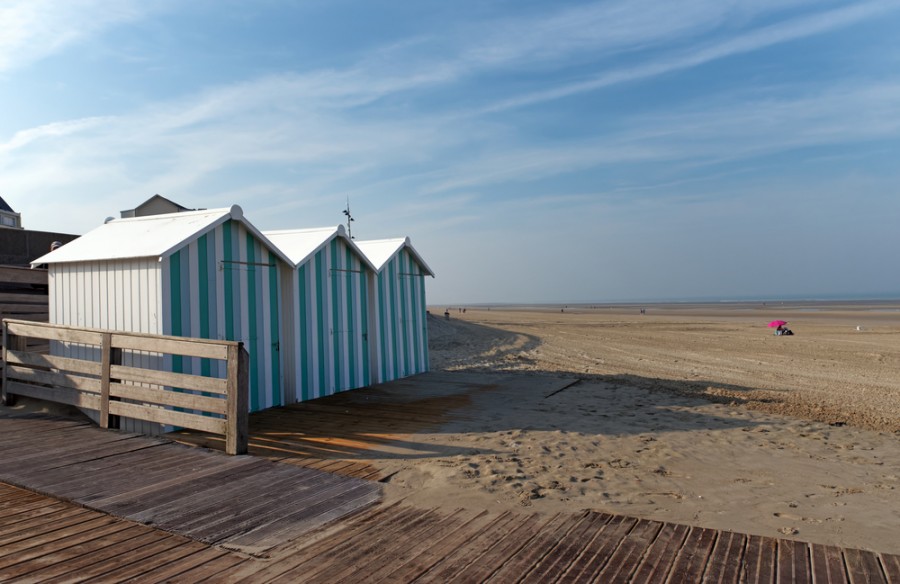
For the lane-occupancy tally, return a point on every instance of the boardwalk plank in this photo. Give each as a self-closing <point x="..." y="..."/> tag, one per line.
<point x="863" y="566"/>
<point x="827" y="564"/>
<point x="430" y="555"/>
<point x="660" y="555"/>
<point x="456" y="561"/>
<point x="758" y="566"/>
<point x="110" y="547"/>
<point x="496" y="557"/>
<point x="724" y="564"/>
<point x="891" y="565"/>
<point x="324" y="569"/>
<point x="394" y="553"/>
<point x="690" y="563"/>
<point x="793" y="562"/>
<point x="527" y="558"/>
<point x="554" y="565"/>
<point x="39" y="557"/>
<point x="599" y="550"/>
<point x="631" y="549"/>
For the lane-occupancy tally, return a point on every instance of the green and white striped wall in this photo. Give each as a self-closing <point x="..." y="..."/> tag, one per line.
<point x="331" y="315"/>
<point x="226" y="285"/>
<point x="402" y="330"/>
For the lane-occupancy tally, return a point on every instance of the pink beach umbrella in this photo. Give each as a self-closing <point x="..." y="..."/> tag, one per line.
<point x="777" y="323"/>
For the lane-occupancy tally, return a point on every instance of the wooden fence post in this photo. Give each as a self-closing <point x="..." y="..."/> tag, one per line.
<point x="105" y="362"/>
<point x="10" y="343"/>
<point x="237" y="427"/>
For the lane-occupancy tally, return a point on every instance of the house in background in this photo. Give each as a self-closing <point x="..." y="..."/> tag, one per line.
<point x="8" y="217"/>
<point x="208" y="274"/>
<point x="398" y="304"/>
<point x="327" y="312"/>
<point x="155" y="205"/>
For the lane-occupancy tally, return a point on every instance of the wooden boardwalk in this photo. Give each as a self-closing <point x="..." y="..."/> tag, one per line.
<point x="148" y="510"/>
<point x="44" y="540"/>
<point x="243" y="502"/>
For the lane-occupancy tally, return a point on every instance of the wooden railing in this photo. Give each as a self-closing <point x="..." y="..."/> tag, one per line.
<point x="103" y="383"/>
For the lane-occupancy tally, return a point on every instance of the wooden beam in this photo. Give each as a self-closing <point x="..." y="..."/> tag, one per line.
<point x="215" y="405"/>
<point x="167" y="417"/>
<point x="179" y="380"/>
<point x="17" y="275"/>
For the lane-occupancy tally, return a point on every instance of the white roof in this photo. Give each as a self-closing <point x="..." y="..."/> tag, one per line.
<point x="381" y="251"/>
<point x="302" y="244"/>
<point x="153" y="236"/>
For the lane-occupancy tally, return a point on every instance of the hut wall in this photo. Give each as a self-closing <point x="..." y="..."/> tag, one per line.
<point x="330" y="320"/>
<point x="227" y="285"/>
<point x="116" y="295"/>
<point x="402" y="329"/>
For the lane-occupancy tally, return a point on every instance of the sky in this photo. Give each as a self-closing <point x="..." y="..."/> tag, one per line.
<point x="533" y="151"/>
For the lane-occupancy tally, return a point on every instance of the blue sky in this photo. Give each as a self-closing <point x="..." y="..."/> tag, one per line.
<point x="534" y="151"/>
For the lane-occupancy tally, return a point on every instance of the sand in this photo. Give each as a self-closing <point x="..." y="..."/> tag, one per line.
<point x="690" y="414"/>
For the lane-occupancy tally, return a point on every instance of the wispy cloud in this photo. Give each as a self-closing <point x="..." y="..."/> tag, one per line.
<point x="798" y="28"/>
<point x="31" y="30"/>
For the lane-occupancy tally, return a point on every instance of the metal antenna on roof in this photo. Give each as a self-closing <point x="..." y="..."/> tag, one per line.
<point x="349" y="218"/>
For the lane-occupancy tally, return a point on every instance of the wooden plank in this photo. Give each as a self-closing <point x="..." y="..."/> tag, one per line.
<point x="529" y="556"/>
<point x="174" y="570"/>
<point x="792" y="563"/>
<point x="627" y="556"/>
<point x="758" y="566"/>
<point x="156" y="555"/>
<point x="891" y="565"/>
<point x="165" y="397"/>
<point x="54" y="332"/>
<point x="396" y="553"/>
<point x="439" y="544"/>
<point x="179" y="380"/>
<point x="71" y="570"/>
<point x="54" y="362"/>
<point x="190" y="347"/>
<point x="35" y="558"/>
<point x="319" y="560"/>
<point x="313" y="511"/>
<point x="17" y="275"/>
<point x="15" y="309"/>
<point x="827" y="564"/>
<point x="105" y="364"/>
<point x="59" y="380"/>
<point x="497" y="555"/>
<point x="724" y="564"/>
<point x="305" y="559"/>
<point x="63" y="396"/>
<point x="364" y="550"/>
<point x="167" y="417"/>
<point x="690" y="563"/>
<point x="23" y="297"/>
<point x="660" y="555"/>
<point x="863" y="566"/>
<point x="598" y="551"/>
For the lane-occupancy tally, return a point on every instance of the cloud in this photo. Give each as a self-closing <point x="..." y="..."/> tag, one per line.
<point x="31" y="30"/>
<point x="798" y="28"/>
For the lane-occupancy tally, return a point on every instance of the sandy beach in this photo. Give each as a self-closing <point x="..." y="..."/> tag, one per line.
<point x="695" y="414"/>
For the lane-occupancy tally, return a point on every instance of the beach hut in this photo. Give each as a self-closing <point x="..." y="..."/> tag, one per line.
<point x="207" y="274"/>
<point x="398" y="301"/>
<point x="328" y="312"/>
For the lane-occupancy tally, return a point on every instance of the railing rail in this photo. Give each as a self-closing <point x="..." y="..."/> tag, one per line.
<point x="114" y="389"/>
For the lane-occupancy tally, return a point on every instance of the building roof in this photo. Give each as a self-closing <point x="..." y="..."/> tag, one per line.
<point x="4" y="206"/>
<point x="302" y="244"/>
<point x="151" y="236"/>
<point x="176" y="206"/>
<point x="381" y="251"/>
